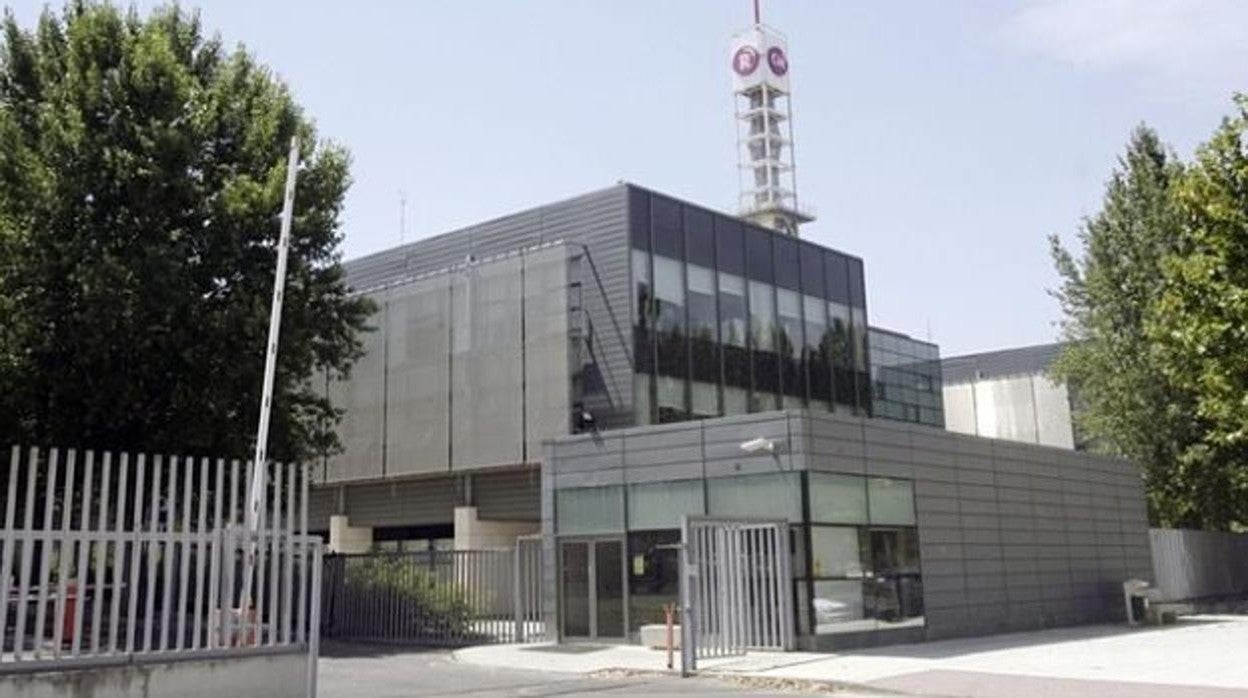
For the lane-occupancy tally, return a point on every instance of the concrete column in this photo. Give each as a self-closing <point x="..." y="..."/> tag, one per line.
<point x="471" y="533"/>
<point x="345" y="538"/>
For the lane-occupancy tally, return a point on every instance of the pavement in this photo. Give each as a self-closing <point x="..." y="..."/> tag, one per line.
<point x="1199" y="657"/>
<point x="380" y="671"/>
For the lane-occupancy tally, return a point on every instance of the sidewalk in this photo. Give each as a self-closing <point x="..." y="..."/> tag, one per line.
<point x="1205" y="656"/>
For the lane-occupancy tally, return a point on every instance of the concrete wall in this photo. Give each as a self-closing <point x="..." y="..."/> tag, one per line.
<point x="1012" y="536"/>
<point x="269" y="675"/>
<point x="1029" y="408"/>
<point x="472" y="533"/>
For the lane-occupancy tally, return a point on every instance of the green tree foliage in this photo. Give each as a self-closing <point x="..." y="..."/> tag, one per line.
<point x="141" y="173"/>
<point x="1125" y="403"/>
<point x="1200" y="320"/>
<point x="1155" y="330"/>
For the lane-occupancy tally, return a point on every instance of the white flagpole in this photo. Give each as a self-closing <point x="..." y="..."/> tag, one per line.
<point x="260" y="460"/>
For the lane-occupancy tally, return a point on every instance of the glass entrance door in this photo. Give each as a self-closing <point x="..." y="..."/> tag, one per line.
<point x="592" y="588"/>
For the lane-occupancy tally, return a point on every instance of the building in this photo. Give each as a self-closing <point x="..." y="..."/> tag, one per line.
<point x="905" y="378"/>
<point x="1008" y="394"/>
<point x="590" y="370"/>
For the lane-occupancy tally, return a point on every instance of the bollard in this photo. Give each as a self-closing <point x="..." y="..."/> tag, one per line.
<point x="669" y="612"/>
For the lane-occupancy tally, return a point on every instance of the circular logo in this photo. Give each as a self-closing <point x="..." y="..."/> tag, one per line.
<point x="777" y="60"/>
<point x="745" y="60"/>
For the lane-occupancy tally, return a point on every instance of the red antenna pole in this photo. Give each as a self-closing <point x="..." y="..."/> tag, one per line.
<point x="757" y="15"/>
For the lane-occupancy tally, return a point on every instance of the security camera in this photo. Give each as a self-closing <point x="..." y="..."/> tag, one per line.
<point x="759" y="445"/>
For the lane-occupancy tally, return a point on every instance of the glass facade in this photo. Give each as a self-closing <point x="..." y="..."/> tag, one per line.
<point x="864" y="554"/>
<point x="905" y="379"/>
<point x="854" y="544"/>
<point x="731" y="318"/>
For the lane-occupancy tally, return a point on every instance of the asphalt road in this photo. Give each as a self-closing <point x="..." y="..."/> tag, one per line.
<point x="371" y="671"/>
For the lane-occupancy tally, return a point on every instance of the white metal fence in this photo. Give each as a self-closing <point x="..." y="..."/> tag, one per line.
<point x="736" y="587"/>
<point x="1190" y="565"/>
<point x="109" y="558"/>
<point x="436" y="597"/>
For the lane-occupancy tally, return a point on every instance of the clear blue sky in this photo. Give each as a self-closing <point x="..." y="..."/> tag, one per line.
<point x="941" y="141"/>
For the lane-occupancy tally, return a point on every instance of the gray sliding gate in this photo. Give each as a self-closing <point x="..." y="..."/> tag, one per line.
<point x="736" y="587"/>
<point x="437" y="597"/>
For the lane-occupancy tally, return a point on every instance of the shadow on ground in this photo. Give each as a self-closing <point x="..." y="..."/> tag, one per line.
<point x="334" y="649"/>
<point x="959" y="647"/>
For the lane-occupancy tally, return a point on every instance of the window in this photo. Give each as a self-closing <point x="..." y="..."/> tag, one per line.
<point x="836" y="272"/>
<point x="838" y="498"/>
<point x="768" y="496"/>
<point x="733" y="328"/>
<point x="789" y="345"/>
<point x="730" y="246"/>
<point x="661" y="504"/>
<point x="758" y="255"/>
<point x="763" y="342"/>
<point x="670" y="400"/>
<point x="788" y="267"/>
<point x="703" y="327"/>
<point x="699" y="238"/>
<point x="842" y="354"/>
<point x="669" y="292"/>
<point x="590" y="510"/>
<point x="639" y="219"/>
<point x="665" y="222"/>
<point x="653" y="576"/>
<point x="864" y="573"/>
<point x="837" y="551"/>
<point x="811" y="263"/>
<point x="891" y="501"/>
<point x="817" y="356"/>
<point x="643" y="313"/>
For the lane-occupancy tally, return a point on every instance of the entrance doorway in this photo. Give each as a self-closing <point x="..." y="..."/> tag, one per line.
<point x="592" y="580"/>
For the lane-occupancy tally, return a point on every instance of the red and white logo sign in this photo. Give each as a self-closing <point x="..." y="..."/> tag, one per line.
<point x="778" y="62"/>
<point x="745" y="60"/>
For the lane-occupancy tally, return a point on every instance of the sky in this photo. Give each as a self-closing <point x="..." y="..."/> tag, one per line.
<point x="943" y="142"/>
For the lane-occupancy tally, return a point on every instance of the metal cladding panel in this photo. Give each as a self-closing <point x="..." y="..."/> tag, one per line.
<point x="322" y="504"/>
<point x="418" y="377"/>
<point x="487" y="371"/>
<point x="595" y="228"/>
<point x="408" y="503"/>
<point x="362" y="395"/>
<point x="547" y="364"/>
<point x="514" y="495"/>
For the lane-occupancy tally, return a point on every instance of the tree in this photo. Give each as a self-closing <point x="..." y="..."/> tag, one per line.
<point x="1200" y="320"/>
<point x="1126" y="403"/>
<point x="141" y="173"/>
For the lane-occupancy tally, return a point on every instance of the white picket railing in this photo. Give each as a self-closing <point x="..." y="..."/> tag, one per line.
<point x="112" y="558"/>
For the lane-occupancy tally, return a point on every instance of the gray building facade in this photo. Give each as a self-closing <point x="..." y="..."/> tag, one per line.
<point x="589" y="370"/>
<point x="901" y="532"/>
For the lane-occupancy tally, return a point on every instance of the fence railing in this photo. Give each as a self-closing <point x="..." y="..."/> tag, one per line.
<point x="460" y="597"/>
<point x="111" y="558"/>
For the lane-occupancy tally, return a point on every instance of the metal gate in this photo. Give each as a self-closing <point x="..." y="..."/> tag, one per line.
<point x="436" y="597"/>
<point x="736" y="587"/>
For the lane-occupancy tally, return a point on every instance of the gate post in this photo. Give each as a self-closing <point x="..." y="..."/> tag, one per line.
<point x="688" y="617"/>
<point x="517" y="604"/>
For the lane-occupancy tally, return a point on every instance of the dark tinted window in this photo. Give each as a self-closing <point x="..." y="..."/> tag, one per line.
<point x="667" y="229"/>
<point x="812" y="270"/>
<point x="730" y="244"/>
<point x="836" y="266"/>
<point x="788" y="272"/>
<point x="758" y="254"/>
<point x="857" y="287"/>
<point x="639" y="218"/>
<point x="699" y="238"/>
